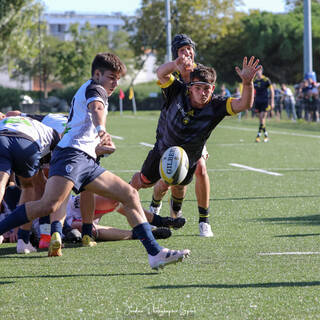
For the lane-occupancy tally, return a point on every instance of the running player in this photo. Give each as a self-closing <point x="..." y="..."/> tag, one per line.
<point x="261" y="102"/>
<point x="73" y="166"/>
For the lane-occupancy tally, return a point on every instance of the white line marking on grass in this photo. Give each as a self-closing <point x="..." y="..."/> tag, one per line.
<point x="255" y="169"/>
<point x="287" y="253"/>
<point x="147" y="144"/>
<point x="273" y="132"/>
<point x="117" y="137"/>
<point x="140" y="118"/>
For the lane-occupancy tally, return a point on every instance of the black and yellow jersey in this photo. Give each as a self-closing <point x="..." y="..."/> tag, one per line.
<point x="261" y="87"/>
<point x="185" y="125"/>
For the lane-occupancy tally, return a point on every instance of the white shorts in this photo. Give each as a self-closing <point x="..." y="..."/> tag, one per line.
<point x="205" y="154"/>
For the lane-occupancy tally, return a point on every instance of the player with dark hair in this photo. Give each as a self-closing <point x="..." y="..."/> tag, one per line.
<point x="192" y="113"/>
<point x="262" y="85"/>
<point x="73" y="166"/>
<point x="182" y="45"/>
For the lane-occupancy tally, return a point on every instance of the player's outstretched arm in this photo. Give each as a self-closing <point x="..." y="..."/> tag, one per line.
<point x="247" y="74"/>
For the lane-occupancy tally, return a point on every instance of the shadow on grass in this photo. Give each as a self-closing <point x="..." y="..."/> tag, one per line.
<point x="297" y="235"/>
<point x="240" y="285"/>
<point x="310" y="220"/>
<point x="6" y="282"/>
<point x="53" y="276"/>
<point x="254" y="198"/>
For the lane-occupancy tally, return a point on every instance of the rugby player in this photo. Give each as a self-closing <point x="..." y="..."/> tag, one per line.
<point x="182" y="45"/>
<point x="73" y="166"/>
<point x="261" y="102"/>
<point x="24" y="143"/>
<point x="192" y="113"/>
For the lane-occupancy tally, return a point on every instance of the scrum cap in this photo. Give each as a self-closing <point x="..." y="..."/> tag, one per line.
<point x="179" y="41"/>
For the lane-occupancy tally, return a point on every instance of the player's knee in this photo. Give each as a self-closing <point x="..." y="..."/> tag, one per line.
<point x="163" y="186"/>
<point x="139" y="181"/>
<point x="49" y="206"/>
<point x="132" y="196"/>
<point x="201" y="170"/>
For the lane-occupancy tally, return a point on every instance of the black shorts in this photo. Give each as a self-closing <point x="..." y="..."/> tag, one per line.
<point x="261" y="106"/>
<point x="150" y="168"/>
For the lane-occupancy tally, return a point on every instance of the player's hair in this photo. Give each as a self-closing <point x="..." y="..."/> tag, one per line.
<point x="179" y="41"/>
<point x="203" y="73"/>
<point x="108" y="61"/>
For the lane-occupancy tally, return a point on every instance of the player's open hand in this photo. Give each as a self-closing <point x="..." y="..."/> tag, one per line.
<point x="249" y="69"/>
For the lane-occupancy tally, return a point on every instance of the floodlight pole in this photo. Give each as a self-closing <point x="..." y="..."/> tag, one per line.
<point x="168" y="30"/>
<point x="307" y="41"/>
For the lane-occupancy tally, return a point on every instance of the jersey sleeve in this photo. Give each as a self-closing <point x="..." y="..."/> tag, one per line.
<point x="95" y="92"/>
<point x="171" y="88"/>
<point x="222" y="105"/>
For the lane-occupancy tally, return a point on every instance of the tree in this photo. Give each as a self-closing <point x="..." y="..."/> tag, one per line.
<point x="43" y="65"/>
<point x="203" y="20"/>
<point x="18" y="28"/>
<point x="74" y="57"/>
<point x="277" y="39"/>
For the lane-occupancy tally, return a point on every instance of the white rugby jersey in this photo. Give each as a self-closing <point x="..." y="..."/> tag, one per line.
<point x="73" y="209"/>
<point x="80" y="132"/>
<point x="57" y="121"/>
<point x="31" y="129"/>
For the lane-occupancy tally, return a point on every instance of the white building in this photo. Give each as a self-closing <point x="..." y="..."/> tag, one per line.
<point x="59" y="23"/>
<point x="58" y="26"/>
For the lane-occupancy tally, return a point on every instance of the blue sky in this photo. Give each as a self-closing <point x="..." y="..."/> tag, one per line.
<point x="129" y="6"/>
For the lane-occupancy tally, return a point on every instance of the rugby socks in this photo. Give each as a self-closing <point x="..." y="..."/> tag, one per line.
<point x="144" y="234"/>
<point x="56" y="226"/>
<point x="262" y="128"/>
<point x="203" y="215"/>
<point x="155" y="203"/>
<point x="17" y="218"/>
<point x="87" y="229"/>
<point x="176" y="203"/>
<point x="24" y="235"/>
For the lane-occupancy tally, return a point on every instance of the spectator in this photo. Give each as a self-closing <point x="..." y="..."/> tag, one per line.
<point x="277" y="101"/>
<point x="289" y="102"/>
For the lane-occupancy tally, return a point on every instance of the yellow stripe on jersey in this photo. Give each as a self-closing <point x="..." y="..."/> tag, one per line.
<point x="229" y="108"/>
<point x="167" y="84"/>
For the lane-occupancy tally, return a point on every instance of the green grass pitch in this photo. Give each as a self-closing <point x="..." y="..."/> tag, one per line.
<point x="243" y="272"/>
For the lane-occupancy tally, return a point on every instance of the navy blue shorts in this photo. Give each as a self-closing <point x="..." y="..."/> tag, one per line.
<point x="19" y="155"/>
<point x="74" y="165"/>
<point x="150" y="168"/>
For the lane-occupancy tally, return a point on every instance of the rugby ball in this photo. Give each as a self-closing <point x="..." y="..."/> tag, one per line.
<point x="174" y="165"/>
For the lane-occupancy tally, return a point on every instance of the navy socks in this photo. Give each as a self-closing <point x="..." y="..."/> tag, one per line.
<point x="24" y="235"/>
<point x="144" y="234"/>
<point x="17" y="218"/>
<point x="56" y="226"/>
<point x="87" y="229"/>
